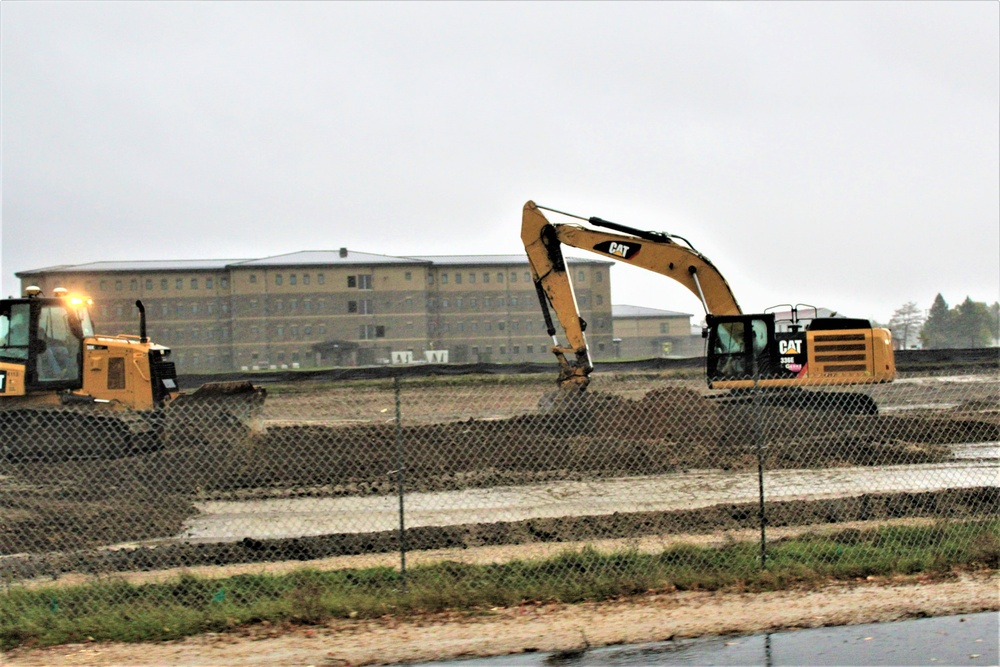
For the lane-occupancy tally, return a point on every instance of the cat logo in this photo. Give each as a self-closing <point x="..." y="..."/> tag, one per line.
<point x="793" y="346"/>
<point x="616" y="249"/>
<point x="619" y="249"/>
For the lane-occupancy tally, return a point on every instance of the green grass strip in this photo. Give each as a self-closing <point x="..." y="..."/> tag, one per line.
<point x="115" y="610"/>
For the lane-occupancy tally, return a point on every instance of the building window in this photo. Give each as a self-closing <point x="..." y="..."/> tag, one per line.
<point x="472" y="303"/>
<point x="321" y="278"/>
<point x="503" y="349"/>
<point x="600" y="299"/>
<point x="209" y="283"/>
<point x="253" y="304"/>
<point x="472" y="278"/>
<point x="149" y="283"/>
<point x="580" y="276"/>
<point x="293" y="279"/>
<point x="527" y="276"/>
<point x="529" y="349"/>
<point x="458" y="303"/>
<point x="664" y="328"/>
<point x="293" y="304"/>
<point x="513" y="301"/>
<point x="194" y="283"/>
<point x="444" y="278"/>
<point x="118" y="286"/>
<point x="253" y="277"/>
<point x="278" y="279"/>
<point x="499" y="277"/>
<point x="517" y="349"/>
<point x="163" y="283"/>
<point x="408" y="275"/>
<point x="179" y="283"/>
<point x="444" y="303"/>
<point x="194" y="309"/>
<point x="371" y="331"/>
<point x="458" y="278"/>
<point x="361" y="307"/>
<point x="486" y="277"/>
<point x="501" y="325"/>
<point x="598" y="276"/>
<point x="305" y="278"/>
<point x="513" y="277"/>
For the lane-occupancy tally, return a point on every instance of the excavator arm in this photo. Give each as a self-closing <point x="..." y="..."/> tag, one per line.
<point x="654" y="251"/>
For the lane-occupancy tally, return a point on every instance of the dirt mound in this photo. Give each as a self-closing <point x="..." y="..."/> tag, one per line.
<point x="71" y="504"/>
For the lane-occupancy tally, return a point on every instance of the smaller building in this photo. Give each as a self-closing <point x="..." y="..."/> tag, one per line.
<point x="648" y="333"/>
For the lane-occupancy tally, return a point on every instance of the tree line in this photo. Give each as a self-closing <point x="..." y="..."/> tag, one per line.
<point x="966" y="325"/>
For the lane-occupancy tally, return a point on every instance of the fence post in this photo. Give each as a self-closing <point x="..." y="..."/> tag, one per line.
<point x="758" y="445"/>
<point x="400" y="479"/>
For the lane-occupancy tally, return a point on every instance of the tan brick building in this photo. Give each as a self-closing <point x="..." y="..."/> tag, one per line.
<point x="324" y="308"/>
<point x="647" y="333"/>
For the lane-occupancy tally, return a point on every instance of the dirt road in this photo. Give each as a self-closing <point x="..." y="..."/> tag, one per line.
<point x="542" y="627"/>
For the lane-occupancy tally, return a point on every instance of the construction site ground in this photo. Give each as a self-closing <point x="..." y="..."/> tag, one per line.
<point x="130" y="515"/>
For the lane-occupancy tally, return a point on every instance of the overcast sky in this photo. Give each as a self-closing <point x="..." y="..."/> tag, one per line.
<point x="839" y="154"/>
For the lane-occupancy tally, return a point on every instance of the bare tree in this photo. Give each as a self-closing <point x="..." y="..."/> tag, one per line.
<point x="906" y="323"/>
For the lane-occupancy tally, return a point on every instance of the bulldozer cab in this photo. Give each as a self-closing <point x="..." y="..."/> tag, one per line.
<point x="45" y="335"/>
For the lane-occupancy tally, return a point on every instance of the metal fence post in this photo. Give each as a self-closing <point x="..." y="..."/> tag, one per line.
<point x="758" y="446"/>
<point x="400" y="479"/>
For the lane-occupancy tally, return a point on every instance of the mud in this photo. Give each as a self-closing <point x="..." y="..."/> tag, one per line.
<point x="953" y="504"/>
<point x="73" y="505"/>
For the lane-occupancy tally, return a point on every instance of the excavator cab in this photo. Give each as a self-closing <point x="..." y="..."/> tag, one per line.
<point x="740" y="347"/>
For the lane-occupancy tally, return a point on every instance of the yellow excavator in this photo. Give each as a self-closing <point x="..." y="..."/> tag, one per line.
<point x="743" y="350"/>
<point x="68" y="392"/>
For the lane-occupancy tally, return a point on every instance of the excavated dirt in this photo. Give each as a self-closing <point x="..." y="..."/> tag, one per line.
<point x="73" y="505"/>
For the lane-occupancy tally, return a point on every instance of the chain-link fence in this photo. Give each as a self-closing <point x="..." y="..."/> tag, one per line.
<point x="484" y="469"/>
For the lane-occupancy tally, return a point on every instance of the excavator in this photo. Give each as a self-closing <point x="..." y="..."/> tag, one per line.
<point x="68" y="392"/>
<point x="743" y="350"/>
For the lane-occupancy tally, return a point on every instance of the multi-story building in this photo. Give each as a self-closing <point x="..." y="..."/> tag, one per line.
<point x="327" y="308"/>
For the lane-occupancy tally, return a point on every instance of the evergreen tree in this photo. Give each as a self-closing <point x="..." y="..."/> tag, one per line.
<point x="972" y="323"/>
<point x="938" y="331"/>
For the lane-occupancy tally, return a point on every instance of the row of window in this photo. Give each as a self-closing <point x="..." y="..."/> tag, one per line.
<point x="470" y="277"/>
<point x="149" y="283"/>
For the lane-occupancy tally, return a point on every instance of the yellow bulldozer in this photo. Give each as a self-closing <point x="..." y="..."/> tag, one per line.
<point x="68" y="392"/>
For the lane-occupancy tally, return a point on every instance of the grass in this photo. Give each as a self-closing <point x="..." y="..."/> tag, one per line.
<point x="115" y="610"/>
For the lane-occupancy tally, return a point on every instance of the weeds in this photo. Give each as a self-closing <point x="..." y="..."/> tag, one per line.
<point x="114" y="610"/>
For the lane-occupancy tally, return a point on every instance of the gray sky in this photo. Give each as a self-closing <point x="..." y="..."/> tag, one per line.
<point x="840" y="154"/>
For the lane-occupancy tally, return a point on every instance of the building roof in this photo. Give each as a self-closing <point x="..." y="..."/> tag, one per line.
<point x="342" y="256"/>
<point x="137" y="265"/>
<point x="623" y="310"/>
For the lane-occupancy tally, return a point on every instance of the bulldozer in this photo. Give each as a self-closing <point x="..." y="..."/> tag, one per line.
<point x="744" y="351"/>
<point x="69" y="392"/>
